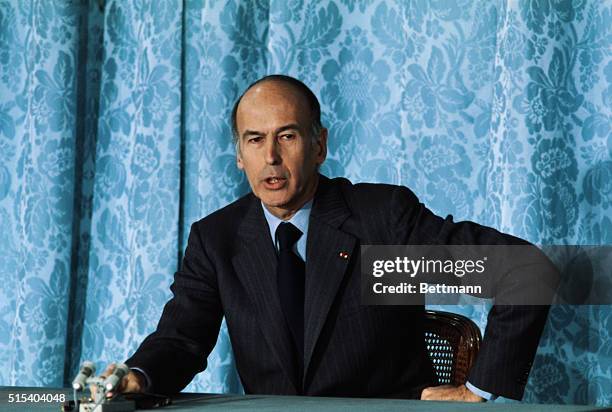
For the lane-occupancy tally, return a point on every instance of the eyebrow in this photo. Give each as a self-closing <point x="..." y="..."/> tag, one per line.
<point x="291" y="126"/>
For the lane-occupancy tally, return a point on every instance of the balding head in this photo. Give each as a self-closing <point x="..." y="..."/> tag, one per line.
<point x="289" y="86"/>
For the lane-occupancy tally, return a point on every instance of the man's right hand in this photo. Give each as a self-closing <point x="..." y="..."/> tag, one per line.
<point x="133" y="382"/>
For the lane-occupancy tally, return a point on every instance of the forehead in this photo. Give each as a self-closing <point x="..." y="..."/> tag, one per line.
<point x="271" y="102"/>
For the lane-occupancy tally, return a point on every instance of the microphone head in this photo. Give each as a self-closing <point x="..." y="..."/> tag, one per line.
<point x="121" y="369"/>
<point x="89" y="365"/>
<point x="87" y="369"/>
<point x="111" y="382"/>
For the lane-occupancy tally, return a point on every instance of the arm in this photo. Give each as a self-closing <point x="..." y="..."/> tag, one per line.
<point x="187" y="331"/>
<point x="513" y="332"/>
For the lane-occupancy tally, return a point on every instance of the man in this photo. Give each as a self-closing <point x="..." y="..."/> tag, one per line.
<point x="282" y="265"/>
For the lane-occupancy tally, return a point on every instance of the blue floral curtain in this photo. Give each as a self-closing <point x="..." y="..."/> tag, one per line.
<point x="114" y="138"/>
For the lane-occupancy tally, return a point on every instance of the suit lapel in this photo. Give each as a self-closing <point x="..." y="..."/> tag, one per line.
<point x="325" y="268"/>
<point x="255" y="263"/>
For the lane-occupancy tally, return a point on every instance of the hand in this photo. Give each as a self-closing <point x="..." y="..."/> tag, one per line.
<point x="450" y="393"/>
<point x="133" y="382"/>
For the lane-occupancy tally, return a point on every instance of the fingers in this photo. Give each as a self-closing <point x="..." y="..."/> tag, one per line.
<point x="449" y="393"/>
<point x="434" y="393"/>
<point x="94" y="388"/>
<point x="109" y="369"/>
<point x="133" y="382"/>
<point x="107" y="372"/>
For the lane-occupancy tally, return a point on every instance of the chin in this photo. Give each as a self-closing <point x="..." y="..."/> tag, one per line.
<point x="274" y="202"/>
<point x="274" y="197"/>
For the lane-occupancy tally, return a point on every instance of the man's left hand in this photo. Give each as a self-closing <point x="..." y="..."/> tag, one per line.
<point x="450" y="393"/>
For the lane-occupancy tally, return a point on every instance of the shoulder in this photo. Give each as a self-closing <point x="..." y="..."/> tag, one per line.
<point x="374" y="196"/>
<point x="373" y="212"/>
<point x="224" y="221"/>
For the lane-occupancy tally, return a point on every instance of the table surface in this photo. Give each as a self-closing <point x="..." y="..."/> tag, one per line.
<point x="205" y="402"/>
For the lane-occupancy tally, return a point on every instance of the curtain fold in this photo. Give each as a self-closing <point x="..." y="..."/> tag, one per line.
<point x="136" y="192"/>
<point x="115" y="138"/>
<point x="40" y="45"/>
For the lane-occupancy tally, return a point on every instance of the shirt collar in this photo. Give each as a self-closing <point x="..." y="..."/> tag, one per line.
<point x="299" y="219"/>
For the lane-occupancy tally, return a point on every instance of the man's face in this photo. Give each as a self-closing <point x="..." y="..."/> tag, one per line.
<point x="275" y="148"/>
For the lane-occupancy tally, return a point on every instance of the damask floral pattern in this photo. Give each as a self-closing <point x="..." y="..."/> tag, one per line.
<point x="114" y="138"/>
<point x="355" y="91"/>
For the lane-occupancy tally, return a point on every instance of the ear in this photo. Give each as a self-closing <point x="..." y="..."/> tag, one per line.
<point x="239" y="163"/>
<point x="321" y="146"/>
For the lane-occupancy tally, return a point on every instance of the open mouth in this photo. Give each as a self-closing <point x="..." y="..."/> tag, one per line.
<point x="275" y="182"/>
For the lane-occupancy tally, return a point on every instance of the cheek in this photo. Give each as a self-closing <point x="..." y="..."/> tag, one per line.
<point x="248" y="163"/>
<point x="308" y="164"/>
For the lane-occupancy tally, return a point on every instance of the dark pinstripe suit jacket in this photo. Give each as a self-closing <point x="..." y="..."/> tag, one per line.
<point x="229" y="269"/>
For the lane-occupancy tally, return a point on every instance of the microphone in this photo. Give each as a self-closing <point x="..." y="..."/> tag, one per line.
<point x="113" y="380"/>
<point x="87" y="369"/>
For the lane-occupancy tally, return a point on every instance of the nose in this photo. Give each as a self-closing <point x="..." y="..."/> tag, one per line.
<point x="272" y="152"/>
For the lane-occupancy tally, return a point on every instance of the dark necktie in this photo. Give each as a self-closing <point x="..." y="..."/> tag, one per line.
<point x="291" y="271"/>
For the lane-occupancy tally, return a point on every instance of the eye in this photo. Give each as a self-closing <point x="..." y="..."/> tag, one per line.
<point x="255" y="139"/>
<point x="287" y="136"/>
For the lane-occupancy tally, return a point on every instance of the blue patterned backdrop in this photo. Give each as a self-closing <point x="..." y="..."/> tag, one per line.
<point x="114" y="137"/>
